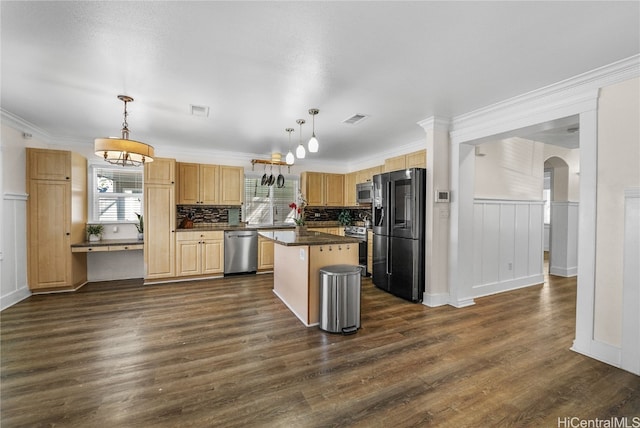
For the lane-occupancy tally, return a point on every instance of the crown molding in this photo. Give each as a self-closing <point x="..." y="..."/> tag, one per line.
<point x="579" y="93"/>
<point x="435" y="123"/>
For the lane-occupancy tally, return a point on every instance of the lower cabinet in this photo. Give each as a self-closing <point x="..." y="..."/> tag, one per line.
<point x="265" y="253"/>
<point x="199" y="253"/>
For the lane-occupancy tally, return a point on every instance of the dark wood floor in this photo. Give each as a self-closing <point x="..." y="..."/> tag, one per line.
<point x="228" y="353"/>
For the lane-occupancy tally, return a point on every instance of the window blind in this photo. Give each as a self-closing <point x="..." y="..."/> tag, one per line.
<point x="268" y="204"/>
<point x="116" y="194"/>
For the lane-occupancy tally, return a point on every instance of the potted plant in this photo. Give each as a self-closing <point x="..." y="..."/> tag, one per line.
<point x="344" y="218"/>
<point x="95" y="231"/>
<point x="140" y="226"/>
<point x="298" y="212"/>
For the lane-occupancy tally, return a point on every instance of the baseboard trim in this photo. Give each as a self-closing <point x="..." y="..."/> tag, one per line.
<point x="565" y="272"/>
<point x="435" y="300"/>
<point x="600" y="351"/>
<point x="14" y="297"/>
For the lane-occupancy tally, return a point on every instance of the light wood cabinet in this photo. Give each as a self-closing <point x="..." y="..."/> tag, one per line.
<point x="232" y="185"/>
<point x="199" y="253"/>
<point x="417" y="159"/>
<point x="265" y="253"/>
<point x="198" y="184"/>
<point x="160" y="171"/>
<point x="350" y="189"/>
<point x="203" y="184"/>
<point x="159" y="231"/>
<point x="312" y="185"/>
<point x="395" y="163"/>
<point x="57" y="214"/>
<point x="334" y="190"/>
<point x="322" y="189"/>
<point x="366" y="175"/>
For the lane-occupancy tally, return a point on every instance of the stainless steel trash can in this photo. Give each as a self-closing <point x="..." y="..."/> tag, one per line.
<point x="339" y="310"/>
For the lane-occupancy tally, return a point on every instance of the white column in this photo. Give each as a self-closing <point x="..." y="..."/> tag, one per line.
<point x="437" y="213"/>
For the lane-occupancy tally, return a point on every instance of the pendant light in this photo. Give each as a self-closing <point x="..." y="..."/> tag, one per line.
<point x="123" y="151"/>
<point x="313" y="142"/>
<point x="300" y="151"/>
<point x="290" y="158"/>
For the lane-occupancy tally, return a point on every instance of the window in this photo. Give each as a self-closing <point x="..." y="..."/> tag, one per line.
<point x="546" y="196"/>
<point x="269" y="204"/>
<point x="115" y="194"/>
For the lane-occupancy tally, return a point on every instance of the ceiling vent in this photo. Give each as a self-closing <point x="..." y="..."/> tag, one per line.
<point x="355" y="119"/>
<point x="202" y="111"/>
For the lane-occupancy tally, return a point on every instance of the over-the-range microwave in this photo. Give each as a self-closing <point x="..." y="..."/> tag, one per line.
<point x="364" y="193"/>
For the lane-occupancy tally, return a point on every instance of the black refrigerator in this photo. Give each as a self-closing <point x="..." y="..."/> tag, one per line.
<point x="398" y="232"/>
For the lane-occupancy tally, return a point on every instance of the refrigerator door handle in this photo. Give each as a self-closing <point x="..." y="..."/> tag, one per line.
<point x="388" y="258"/>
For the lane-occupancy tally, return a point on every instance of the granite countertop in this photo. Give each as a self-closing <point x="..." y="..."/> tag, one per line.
<point x="206" y="227"/>
<point x="293" y="238"/>
<point x="107" y="242"/>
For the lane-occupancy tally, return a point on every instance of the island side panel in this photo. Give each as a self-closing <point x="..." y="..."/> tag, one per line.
<point x="322" y="256"/>
<point x="290" y="276"/>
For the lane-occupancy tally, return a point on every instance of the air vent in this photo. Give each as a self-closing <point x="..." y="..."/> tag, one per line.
<point x="202" y="111"/>
<point x="355" y="119"/>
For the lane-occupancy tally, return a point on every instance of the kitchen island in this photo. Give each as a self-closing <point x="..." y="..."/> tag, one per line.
<point x="298" y="258"/>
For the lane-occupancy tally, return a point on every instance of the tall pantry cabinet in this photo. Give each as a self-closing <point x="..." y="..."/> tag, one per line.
<point x="57" y="214"/>
<point x="159" y="218"/>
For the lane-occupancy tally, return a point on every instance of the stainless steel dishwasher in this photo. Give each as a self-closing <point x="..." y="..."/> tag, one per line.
<point x="240" y="251"/>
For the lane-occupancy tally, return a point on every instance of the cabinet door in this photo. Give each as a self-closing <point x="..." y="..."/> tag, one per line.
<point x="212" y="256"/>
<point x="395" y="164"/>
<point x="188" y="258"/>
<point x="188" y="183"/>
<point x="160" y="171"/>
<point x="265" y="253"/>
<point x="350" y="189"/>
<point x="334" y="190"/>
<point x="159" y="230"/>
<point x="313" y="188"/>
<point x="232" y="185"/>
<point x="45" y="164"/>
<point x="49" y="234"/>
<point x="209" y="183"/>
<point x="417" y="159"/>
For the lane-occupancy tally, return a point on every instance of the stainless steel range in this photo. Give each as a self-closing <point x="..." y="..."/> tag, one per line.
<point x="360" y="233"/>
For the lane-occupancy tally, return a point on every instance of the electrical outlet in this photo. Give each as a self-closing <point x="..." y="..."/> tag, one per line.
<point x="510" y="266"/>
<point x="316" y="215"/>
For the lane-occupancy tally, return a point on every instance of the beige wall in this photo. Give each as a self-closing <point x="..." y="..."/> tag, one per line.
<point x="566" y="181"/>
<point x="511" y="169"/>
<point x="618" y="161"/>
<point x="14" y="159"/>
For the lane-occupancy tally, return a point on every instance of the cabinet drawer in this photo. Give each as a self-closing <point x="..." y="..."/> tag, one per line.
<point x="125" y="247"/>
<point x="96" y="249"/>
<point x="194" y="236"/>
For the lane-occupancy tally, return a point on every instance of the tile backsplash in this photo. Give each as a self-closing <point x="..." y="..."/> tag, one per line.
<point x="204" y="213"/>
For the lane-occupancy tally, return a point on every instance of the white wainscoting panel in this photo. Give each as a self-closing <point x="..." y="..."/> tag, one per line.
<point x="563" y="251"/>
<point x="508" y="241"/>
<point x="630" y="358"/>
<point x="14" y="286"/>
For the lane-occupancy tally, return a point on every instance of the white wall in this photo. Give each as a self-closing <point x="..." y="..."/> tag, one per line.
<point x="563" y="260"/>
<point x="507" y="245"/>
<point x="618" y="159"/>
<point x="567" y="187"/>
<point x="512" y="168"/>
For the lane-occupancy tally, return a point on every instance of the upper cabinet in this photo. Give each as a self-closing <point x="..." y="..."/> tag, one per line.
<point x="209" y="184"/>
<point x="412" y="160"/>
<point x="350" y="181"/>
<point x="232" y="183"/>
<point x="322" y="189"/>
<point x="160" y="171"/>
<point x="45" y="164"/>
<point x="366" y="175"/>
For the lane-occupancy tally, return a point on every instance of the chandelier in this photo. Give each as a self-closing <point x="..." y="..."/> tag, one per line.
<point x="123" y="151"/>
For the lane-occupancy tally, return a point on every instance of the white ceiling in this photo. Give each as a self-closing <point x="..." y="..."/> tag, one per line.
<point x="259" y="66"/>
